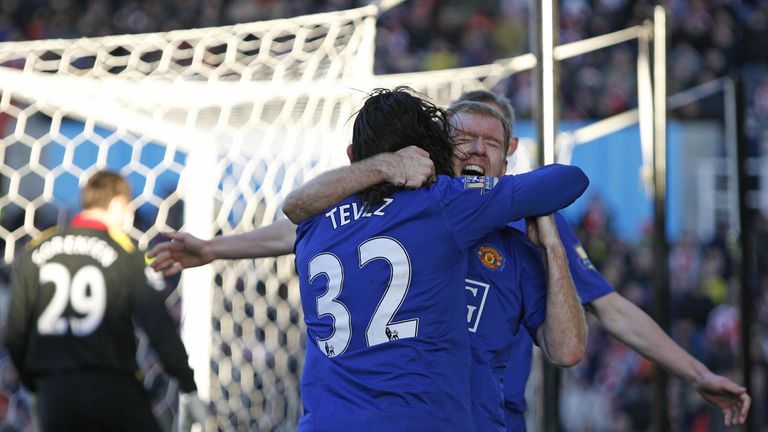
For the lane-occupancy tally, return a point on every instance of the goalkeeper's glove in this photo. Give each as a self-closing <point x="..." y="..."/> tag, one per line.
<point x="191" y="410"/>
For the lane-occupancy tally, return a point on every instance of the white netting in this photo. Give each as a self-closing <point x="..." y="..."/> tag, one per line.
<point x="312" y="47"/>
<point x="259" y="107"/>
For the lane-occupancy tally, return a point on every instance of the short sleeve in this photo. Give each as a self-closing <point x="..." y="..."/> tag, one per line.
<point x="589" y="283"/>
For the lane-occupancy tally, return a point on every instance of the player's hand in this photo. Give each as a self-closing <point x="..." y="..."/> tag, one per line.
<point x="410" y="168"/>
<point x="192" y="411"/>
<point x="730" y="397"/>
<point x="182" y="251"/>
<point x="542" y="231"/>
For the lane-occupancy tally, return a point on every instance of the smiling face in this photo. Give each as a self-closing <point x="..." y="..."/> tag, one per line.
<point x="480" y="144"/>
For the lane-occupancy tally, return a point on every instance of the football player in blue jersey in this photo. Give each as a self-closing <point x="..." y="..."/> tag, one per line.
<point x="392" y="352"/>
<point x="505" y="285"/>
<point x="382" y="275"/>
<point x="620" y="317"/>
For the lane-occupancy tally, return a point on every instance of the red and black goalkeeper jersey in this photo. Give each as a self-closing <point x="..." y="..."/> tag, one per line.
<point x="75" y="294"/>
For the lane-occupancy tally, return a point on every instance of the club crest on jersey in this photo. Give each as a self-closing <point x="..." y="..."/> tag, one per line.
<point x="484" y="183"/>
<point x="585" y="261"/>
<point x="491" y="258"/>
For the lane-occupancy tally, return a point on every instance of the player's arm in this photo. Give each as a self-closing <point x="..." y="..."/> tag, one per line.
<point x="563" y="334"/>
<point x="17" y="331"/>
<point x="629" y="324"/>
<point x="476" y="206"/>
<point x="185" y="250"/>
<point x="546" y="190"/>
<point x="410" y="167"/>
<point x="151" y="314"/>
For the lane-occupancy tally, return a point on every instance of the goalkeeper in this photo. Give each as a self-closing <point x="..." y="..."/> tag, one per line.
<point x="75" y="295"/>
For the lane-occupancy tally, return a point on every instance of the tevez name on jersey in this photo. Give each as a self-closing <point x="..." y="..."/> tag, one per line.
<point x="345" y="213"/>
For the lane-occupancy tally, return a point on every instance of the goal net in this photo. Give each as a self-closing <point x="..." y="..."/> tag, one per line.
<point x="212" y="127"/>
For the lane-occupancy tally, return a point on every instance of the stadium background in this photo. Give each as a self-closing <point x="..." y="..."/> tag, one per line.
<point x="709" y="39"/>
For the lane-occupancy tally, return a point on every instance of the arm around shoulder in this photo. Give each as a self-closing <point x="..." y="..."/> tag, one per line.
<point x="329" y="188"/>
<point x="409" y="167"/>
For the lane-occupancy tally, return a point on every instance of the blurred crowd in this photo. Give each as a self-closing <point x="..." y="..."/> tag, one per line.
<point x="709" y="39"/>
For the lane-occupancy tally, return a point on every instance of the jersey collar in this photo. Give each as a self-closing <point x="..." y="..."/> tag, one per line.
<point x="80" y="221"/>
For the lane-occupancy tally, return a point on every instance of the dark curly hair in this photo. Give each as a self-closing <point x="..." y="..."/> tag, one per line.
<point x="391" y="120"/>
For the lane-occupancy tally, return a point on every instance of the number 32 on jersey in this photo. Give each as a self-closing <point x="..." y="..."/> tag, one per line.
<point x="380" y="328"/>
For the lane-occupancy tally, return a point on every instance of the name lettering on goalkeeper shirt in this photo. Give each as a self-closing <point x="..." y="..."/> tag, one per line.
<point x="96" y="248"/>
<point x="346" y="213"/>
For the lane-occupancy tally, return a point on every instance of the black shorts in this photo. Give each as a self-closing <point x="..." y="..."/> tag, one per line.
<point x="94" y="402"/>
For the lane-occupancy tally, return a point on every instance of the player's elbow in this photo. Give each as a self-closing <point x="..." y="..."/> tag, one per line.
<point x="578" y="180"/>
<point x="577" y="347"/>
<point x="569" y="357"/>
<point x="565" y="352"/>
<point x="571" y="181"/>
<point x="292" y="208"/>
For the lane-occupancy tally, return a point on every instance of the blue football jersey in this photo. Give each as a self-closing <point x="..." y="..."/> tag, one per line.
<point x="506" y="288"/>
<point x="383" y="298"/>
<point x="590" y="285"/>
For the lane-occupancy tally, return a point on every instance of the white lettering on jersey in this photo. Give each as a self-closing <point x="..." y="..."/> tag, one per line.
<point x="382" y="327"/>
<point x="84" y="291"/>
<point x="94" y="247"/>
<point x="346" y="213"/>
<point x="379" y="211"/>
<point x="477" y="292"/>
